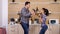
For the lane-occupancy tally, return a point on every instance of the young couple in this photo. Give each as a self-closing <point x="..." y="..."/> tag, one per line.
<point x="26" y="14"/>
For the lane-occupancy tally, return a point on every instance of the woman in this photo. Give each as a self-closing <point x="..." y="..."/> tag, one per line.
<point x="43" y="22"/>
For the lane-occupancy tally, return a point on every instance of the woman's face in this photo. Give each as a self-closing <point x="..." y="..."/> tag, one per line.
<point x="42" y="11"/>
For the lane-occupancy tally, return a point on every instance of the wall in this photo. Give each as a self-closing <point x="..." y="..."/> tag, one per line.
<point x="3" y="14"/>
<point x="0" y="12"/>
<point x="14" y="8"/>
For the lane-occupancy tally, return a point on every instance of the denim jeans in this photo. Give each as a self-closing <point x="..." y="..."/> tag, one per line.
<point x="44" y="29"/>
<point x="25" y="27"/>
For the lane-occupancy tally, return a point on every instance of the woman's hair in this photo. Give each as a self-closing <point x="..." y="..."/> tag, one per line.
<point x="46" y="12"/>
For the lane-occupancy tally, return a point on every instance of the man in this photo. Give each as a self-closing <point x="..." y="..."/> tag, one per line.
<point x="25" y="15"/>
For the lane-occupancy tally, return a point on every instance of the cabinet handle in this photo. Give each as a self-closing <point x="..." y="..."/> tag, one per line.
<point x="12" y="30"/>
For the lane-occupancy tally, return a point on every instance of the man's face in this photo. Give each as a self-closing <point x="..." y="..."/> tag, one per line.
<point x="28" y="6"/>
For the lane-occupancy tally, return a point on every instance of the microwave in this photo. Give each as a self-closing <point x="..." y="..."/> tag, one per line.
<point x="53" y="21"/>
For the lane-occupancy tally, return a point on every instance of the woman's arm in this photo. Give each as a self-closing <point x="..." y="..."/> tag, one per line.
<point x="41" y="20"/>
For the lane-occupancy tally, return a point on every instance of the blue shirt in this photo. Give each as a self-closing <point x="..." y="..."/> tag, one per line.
<point x="25" y="15"/>
<point x="44" y="20"/>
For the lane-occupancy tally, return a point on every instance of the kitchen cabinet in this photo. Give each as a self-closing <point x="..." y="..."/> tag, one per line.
<point x="52" y="29"/>
<point x="15" y="29"/>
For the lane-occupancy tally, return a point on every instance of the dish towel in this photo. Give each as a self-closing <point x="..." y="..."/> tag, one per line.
<point x="2" y="31"/>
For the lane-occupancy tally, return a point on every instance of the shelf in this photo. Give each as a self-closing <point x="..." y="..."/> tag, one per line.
<point x="13" y="2"/>
<point x="51" y="2"/>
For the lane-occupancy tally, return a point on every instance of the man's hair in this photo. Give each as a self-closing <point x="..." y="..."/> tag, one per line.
<point x="26" y="3"/>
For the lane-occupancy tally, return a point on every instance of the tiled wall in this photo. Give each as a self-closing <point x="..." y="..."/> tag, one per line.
<point x="14" y="8"/>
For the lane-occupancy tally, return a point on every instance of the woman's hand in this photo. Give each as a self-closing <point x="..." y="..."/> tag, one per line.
<point x="32" y="12"/>
<point x="41" y="19"/>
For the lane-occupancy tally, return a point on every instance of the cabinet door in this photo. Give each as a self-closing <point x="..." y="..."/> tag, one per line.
<point x="53" y="29"/>
<point x="11" y="29"/>
<point x="21" y="31"/>
<point x="47" y="32"/>
<point x="34" y="29"/>
<point x="15" y="29"/>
